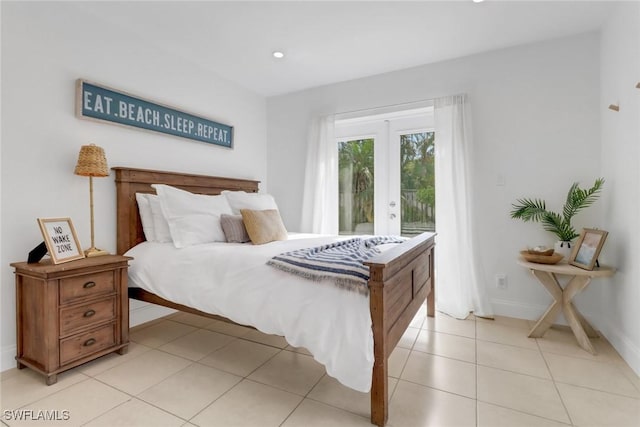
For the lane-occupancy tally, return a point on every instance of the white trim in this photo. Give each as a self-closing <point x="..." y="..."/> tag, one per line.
<point x="355" y="137"/>
<point x="623" y="345"/>
<point x="518" y="310"/>
<point x="8" y="357"/>
<point x="137" y="316"/>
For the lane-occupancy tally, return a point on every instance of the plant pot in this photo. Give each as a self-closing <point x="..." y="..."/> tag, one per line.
<point x="564" y="248"/>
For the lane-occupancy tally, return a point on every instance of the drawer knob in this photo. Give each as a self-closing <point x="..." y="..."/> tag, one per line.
<point x="89" y="285"/>
<point x="89" y="313"/>
<point x="89" y="342"/>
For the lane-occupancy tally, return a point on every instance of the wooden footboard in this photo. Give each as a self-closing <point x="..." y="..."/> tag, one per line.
<point x="400" y="280"/>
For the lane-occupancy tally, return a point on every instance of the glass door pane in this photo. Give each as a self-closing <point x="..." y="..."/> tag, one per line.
<point x="417" y="183"/>
<point x="356" y="186"/>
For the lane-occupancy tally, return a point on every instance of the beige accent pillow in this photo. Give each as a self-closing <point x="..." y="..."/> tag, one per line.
<point x="264" y="226"/>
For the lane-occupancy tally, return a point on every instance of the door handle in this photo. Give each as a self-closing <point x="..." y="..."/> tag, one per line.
<point x="392" y="216"/>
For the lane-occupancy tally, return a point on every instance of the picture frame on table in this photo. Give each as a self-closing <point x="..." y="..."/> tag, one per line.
<point x="61" y="239"/>
<point x="585" y="252"/>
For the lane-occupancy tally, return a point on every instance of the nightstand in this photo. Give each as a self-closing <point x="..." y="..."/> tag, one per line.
<point x="70" y="313"/>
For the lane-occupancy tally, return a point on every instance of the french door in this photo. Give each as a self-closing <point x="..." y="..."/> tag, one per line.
<point x="386" y="174"/>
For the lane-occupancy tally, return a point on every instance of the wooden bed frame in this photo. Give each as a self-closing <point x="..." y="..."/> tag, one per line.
<point x="400" y="278"/>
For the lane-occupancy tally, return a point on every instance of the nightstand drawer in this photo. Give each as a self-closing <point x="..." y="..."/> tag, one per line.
<point x="84" y="344"/>
<point x="74" y="318"/>
<point x="85" y="286"/>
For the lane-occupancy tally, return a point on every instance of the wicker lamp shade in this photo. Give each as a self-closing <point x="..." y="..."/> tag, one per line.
<point x="91" y="161"/>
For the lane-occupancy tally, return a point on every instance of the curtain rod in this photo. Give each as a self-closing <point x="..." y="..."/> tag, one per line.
<point x="385" y="108"/>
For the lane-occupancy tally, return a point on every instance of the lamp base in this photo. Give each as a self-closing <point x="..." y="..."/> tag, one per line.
<point x="91" y="252"/>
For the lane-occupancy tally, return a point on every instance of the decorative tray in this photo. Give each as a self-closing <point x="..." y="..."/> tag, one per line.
<point x="541" y="259"/>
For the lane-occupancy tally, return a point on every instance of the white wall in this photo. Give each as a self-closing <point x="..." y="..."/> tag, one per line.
<point x="45" y="48"/>
<point x="536" y="121"/>
<point x="620" y="72"/>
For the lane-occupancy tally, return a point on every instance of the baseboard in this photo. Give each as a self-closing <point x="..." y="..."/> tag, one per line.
<point x="137" y="316"/>
<point x="8" y="357"/>
<point x="520" y="310"/>
<point x="627" y="349"/>
<point x="147" y="313"/>
<point x="623" y="345"/>
<point x="517" y="309"/>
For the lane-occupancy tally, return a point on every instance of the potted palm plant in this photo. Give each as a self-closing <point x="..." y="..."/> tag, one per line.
<point x="559" y="224"/>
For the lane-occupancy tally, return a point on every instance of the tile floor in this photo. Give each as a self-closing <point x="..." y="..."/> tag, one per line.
<point x="186" y="370"/>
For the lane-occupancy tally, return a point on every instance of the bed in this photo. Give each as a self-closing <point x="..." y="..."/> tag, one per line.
<point x="401" y="278"/>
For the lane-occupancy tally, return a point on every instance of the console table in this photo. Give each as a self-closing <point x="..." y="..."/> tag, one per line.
<point x="580" y="279"/>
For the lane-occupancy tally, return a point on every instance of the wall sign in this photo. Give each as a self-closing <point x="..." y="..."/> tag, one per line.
<point x="60" y="238"/>
<point x="96" y="102"/>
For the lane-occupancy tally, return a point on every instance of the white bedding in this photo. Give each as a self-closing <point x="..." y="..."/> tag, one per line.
<point x="232" y="280"/>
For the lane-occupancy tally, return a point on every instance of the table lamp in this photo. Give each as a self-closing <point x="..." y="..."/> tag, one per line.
<point x="92" y="162"/>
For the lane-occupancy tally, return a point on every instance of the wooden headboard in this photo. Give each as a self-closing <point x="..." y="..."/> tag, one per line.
<point x="131" y="181"/>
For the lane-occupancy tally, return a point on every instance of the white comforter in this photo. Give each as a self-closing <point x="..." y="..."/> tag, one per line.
<point x="232" y="280"/>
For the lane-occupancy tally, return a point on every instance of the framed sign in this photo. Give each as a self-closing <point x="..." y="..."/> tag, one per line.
<point x="585" y="253"/>
<point x="100" y="103"/>
<point x="61" y="239"/>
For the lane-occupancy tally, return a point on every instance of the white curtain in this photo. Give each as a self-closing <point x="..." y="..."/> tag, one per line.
<point x="320" y="200"/>
<point x="460" y="287"/>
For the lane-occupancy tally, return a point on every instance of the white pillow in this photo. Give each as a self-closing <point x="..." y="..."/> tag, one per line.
<point x="146" y="216"/>
<point x="160" y="225"/>
<point x="253" y="201"/>
<point x="193" y="218"/>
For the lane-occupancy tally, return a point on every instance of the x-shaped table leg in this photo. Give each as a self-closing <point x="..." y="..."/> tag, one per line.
<point x="562" y="301"/>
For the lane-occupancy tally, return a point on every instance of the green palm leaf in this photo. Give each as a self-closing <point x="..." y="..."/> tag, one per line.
<point x="529" y="209"/>
<point x="577" y="199"/>
<point x="554" y="223"/>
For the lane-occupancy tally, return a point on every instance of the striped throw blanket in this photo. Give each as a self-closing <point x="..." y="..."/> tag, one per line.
<point x="341" y="262"/>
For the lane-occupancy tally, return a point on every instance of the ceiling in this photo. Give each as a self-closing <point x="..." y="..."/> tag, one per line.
<point x="329" y="41"/>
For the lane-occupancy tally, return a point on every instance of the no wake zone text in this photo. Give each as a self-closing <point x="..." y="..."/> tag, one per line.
<point x="139" y="114"/>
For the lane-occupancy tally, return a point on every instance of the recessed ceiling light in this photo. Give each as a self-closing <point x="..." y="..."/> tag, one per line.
<point x="478" y="1"/>
<point x="278" y="54"/>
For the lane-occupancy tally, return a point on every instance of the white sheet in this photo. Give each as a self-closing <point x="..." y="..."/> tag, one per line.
<point x="232" y="280"/>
